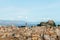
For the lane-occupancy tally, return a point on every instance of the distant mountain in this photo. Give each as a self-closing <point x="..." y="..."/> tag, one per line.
<point x="20" y="23"/>
<point x="10" y="22"/>
<point x="17" y="23"/>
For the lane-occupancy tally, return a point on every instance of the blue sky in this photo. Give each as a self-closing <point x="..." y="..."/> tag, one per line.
<point x="33" y="10"/>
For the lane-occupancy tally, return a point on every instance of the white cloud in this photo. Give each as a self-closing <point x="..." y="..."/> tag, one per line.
<point x="12" y="13"/>
<point x="11" y="19"/>
<point x="20" y="17"/>
<point x="7" y="19"/>
<point x="25" y="17"/>
<point x="1" y="18"/>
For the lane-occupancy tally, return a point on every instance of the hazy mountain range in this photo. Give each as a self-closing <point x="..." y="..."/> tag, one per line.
<point x="19" y="23"/>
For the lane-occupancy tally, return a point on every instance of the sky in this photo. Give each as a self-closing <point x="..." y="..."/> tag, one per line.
<point x="30" y="10"/>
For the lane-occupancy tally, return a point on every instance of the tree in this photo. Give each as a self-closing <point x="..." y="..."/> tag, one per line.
<point x="51" y="23"/>
<point x="42" y="24"/>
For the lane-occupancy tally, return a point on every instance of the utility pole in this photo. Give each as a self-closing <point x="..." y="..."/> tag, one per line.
<point x="26" y="21"/>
